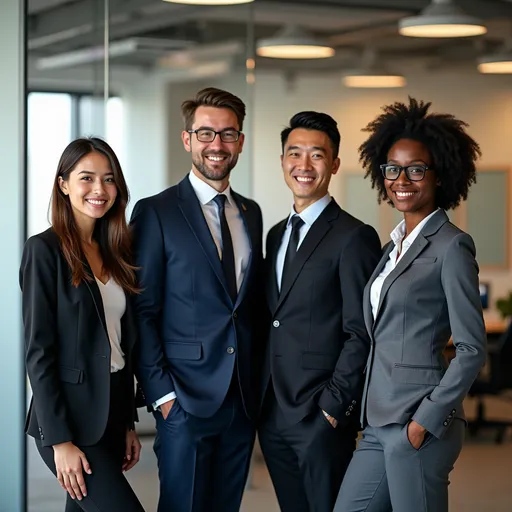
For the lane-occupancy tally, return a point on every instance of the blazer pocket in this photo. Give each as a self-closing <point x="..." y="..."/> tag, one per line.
<point x="420" y="261"/>
<point x="318" y="264"/>
<point x="182" y="350"/>
<point x="417" y="374"/>
<point x="70" y="375"/>
<point x="318" y="361"/>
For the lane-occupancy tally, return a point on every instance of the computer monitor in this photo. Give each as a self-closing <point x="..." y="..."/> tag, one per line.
<point x="484" y="295"/>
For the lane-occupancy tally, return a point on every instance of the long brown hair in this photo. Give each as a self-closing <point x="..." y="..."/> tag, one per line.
<point x="111" y="231"/>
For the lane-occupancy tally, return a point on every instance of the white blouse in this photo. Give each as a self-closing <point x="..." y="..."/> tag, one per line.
<point x="114" y="304"/>
<point x="401" y="247"/>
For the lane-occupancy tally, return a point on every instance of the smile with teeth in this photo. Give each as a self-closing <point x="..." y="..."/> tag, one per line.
<point x="96" y="202"/>
<point x="404" y="195"/>
<point x="213" y="158"/>
<point x="304" y="179"/>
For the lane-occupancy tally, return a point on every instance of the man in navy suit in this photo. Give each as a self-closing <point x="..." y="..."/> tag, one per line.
<point x="198" y="246"/>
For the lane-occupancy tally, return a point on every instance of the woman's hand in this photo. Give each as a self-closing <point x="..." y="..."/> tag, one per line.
<point x="69" y="461"/>
<point x="416" y="434"/>
<point x="133" y="448"/>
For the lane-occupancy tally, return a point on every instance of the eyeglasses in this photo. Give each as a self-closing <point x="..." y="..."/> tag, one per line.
<point x="206" y="135"/>
<point x="413" y="172"/>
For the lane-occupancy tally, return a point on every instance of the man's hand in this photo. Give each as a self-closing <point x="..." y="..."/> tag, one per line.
<point x="416" y="434"/>
<point x="165" y="409"/>
<point x="132" y="450"/>
<point x="330" y="419"/>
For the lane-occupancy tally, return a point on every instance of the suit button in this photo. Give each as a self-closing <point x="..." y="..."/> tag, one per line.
<point x="230" y="350"/>
<point x="276" y="323"/>
<point x="235" y="315"/>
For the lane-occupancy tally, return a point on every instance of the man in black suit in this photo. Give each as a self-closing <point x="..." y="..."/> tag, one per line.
<point x="318" y="262"/>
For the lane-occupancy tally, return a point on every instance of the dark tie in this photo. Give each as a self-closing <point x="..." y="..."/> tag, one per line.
<point x="228" y="255"/>
<point x="291" y="250"/>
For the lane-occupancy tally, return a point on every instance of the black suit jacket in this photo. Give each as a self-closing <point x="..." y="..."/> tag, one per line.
<point x="318" y="344"/>
<point x="68" y="349"/>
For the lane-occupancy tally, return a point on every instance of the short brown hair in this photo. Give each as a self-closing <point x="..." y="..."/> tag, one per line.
<point x="212" y="97"/>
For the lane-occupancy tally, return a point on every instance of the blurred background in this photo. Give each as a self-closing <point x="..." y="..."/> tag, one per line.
<point x="120" y="69"/>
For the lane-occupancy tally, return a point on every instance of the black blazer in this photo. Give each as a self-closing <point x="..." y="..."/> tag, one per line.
<point x="68" y="349"/>
<point x="318" y="344"/>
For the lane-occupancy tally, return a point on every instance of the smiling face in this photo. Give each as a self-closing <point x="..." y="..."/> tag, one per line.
<point x="91" y="188"/>
<point x="416" y="198"/>
<point x="213" y="161"/>
<point x="308" y="165"/>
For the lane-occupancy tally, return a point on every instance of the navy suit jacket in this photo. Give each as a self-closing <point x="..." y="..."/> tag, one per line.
<point x="192" y="336"/>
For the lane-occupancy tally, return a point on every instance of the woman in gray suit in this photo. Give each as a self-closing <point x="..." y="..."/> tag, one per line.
<point x="424" y="290"/>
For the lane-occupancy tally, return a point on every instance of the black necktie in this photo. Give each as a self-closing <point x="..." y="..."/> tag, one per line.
<point x="228" y="255"/>
<point x="291" y="250"/>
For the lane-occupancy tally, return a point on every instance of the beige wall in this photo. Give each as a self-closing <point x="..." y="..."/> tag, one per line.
<point x="485" y="102"/>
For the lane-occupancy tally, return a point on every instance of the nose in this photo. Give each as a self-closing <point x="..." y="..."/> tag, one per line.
<point x="98" y="187"/>
<point x="217" y="143"/>
<point x="403" y="179"/>
<point x="305" y="163"/>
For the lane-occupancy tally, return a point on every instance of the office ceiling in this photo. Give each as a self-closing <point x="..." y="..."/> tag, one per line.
<point x="153" y="33"/>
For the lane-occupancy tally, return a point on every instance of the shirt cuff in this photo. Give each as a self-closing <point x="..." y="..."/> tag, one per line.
<point x="166" y="398"/>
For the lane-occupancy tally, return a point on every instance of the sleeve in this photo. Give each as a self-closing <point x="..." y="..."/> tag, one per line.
<point x="459" y="277"/>
<point x="38" y="282"/>
<point x="343" y="392"/>
<point x="151" y="366"/>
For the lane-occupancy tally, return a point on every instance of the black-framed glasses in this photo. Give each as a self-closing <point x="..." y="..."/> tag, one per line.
<point x="207" y="135"/>
<point x="413" y="172"/>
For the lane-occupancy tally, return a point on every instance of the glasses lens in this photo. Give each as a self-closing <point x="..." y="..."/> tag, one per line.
<point x="205" y="135"/>
<point x="415" y="172"/>
<point x="229" y="136"/>
<point x="391" y="172"/>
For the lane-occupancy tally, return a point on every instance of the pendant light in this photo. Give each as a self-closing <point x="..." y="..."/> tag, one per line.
<point x="442" y="18"/>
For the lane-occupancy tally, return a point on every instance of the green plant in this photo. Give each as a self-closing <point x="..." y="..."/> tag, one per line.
<point x="504" y="306"/>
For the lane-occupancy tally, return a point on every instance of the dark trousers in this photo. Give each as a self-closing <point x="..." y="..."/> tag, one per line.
<point x="306" y="460"/>
<point x="203" y="462"/>
<point x="107" y="488"/>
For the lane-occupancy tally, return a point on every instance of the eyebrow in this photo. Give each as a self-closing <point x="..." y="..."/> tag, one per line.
<point x="313" y="148"/>
<point x="91" y="173"/>
<point x="213" y="129"/>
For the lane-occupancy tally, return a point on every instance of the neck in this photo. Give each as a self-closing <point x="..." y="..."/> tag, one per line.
<point x="413" y="219"/>
<point x="86" y="228"/>
<point x="218" y="185"/>
<point x="300" y="203"/>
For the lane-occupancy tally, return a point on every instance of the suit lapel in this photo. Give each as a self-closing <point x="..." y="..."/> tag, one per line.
<point x="418" y="246"/>
<point x="314" y="236"/>
<point x="272" y="290"/>
<point x="191" y="208"/>
<point x="251" y="229"/>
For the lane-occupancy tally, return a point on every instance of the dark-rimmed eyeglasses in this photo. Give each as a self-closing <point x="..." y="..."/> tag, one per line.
<point x="413" y="172"/>
<point x="206" y="135"/>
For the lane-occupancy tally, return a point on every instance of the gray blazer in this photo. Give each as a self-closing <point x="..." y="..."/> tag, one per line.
<point x="431" y="294"/>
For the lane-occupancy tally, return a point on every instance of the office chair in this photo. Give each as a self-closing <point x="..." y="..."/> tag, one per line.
<point x="498" y="382"/>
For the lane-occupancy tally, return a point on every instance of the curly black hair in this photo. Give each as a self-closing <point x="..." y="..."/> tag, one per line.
<point x="453" y="151"/>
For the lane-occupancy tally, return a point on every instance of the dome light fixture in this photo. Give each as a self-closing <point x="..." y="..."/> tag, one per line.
<point x="442" y="18"/>
<point x="499" y="63"/>
<point x="209" y="2"/>
<point x="371" y="75"/>
<point x="293" y="42"/>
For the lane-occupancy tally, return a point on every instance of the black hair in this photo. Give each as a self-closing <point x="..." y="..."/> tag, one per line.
<point x="314" y="121"/>
<point x="453" y="151"/>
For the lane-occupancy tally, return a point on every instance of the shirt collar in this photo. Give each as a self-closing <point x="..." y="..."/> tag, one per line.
<point x="397" y="235"/>
<point x="312" y="212"/>
<point x="205" y="193"/>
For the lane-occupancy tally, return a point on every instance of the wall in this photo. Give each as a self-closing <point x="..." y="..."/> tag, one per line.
<point x="485" y="102"/>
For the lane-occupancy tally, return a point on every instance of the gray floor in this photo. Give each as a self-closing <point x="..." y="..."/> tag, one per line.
<point x="481" y="480"/>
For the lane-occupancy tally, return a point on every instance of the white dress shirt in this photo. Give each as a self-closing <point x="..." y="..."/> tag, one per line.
<point x="241" y="244"/>
<point x="309" y="216"/>
<point x="114" y="305"/>
<point x="402" y="245"/>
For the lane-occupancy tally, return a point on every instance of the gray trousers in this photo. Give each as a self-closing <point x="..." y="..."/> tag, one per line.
<point x="388" y="474"/>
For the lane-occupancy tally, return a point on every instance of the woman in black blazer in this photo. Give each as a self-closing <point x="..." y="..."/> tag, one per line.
<point x="77" y="282"/>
